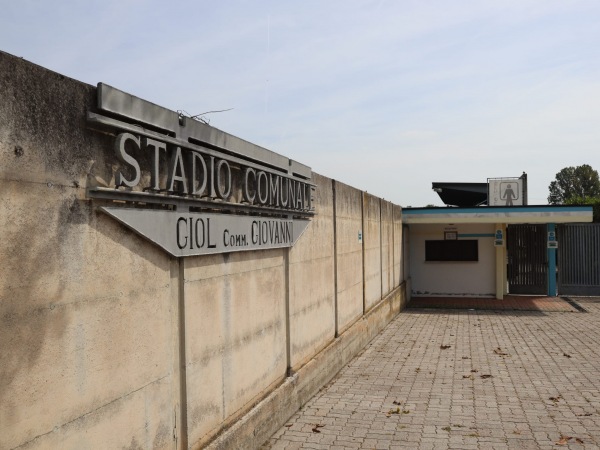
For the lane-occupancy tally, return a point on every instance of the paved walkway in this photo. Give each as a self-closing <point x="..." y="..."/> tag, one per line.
<point x="462" y="379"/>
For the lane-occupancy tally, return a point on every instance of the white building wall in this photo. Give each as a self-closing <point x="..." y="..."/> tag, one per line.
<point x="475" y="279"/>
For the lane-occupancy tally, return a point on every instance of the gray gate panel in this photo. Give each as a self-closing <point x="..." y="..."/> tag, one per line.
<point x="579" y="259"/>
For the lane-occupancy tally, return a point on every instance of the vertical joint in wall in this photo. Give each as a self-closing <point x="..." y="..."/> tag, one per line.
<point x="335" y="262"/>
<point x="364" y="238"/>
<point x="288" y="349"/>
<point x="380" y="247"/>
<point x="178" y="294"/>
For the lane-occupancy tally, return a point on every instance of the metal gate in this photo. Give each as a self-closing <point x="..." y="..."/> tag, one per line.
<point x="579" y="259"/>
<point x="527" y="270"/>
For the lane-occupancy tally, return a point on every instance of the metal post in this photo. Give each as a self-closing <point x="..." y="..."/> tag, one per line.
<point x="551" y="228"/>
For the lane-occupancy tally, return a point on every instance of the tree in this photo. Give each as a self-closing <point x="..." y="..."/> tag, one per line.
<point x="574" y="185"/>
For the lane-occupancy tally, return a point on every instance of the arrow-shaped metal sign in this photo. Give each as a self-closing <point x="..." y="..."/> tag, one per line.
<point x="191" y="233"/>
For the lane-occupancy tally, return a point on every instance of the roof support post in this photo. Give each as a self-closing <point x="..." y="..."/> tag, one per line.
<point x="551" y="229"/>
<point x="500" y="261"/>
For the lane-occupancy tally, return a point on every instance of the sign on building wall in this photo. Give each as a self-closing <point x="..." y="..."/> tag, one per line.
<point x="193" y="189"/>
<point x="505" y="192"/>
<point x="499" y="238"/>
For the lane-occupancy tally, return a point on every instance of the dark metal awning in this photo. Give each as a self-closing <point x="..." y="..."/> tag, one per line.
<point x="462" y="194"/>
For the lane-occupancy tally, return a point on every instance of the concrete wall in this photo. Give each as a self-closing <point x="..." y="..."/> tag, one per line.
<point x="372" y="250"/>
<point x="86" y="306"/>
<point x="453" y="278"/>
<point x="312" y="282"/>
<point x="106" y="341"/>
<point x="234" y="334"/>
<point x="349" y="255"/>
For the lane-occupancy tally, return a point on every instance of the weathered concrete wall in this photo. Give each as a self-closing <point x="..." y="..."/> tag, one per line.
<point x="387" y="248"/>
<point x="398" y="242"/>
<point x="312" y="285"/>
<point x="372" y="249"/>
<point x="86" y="332"/>
<point x="235" y="335"/>
<point x="349" y="255"/>
<point x="106" y="341"/>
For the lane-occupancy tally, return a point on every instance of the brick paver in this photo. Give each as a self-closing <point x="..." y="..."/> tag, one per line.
<point x="462" y="379"/>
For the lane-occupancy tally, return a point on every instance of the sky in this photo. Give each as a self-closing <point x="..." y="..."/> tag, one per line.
<point x="386" y="96"/>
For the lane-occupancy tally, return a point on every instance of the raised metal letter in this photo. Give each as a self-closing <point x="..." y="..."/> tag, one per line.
<point x="125" y="158"/>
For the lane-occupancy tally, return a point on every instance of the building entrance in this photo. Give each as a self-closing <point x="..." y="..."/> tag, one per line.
<point x="527" y="271"/>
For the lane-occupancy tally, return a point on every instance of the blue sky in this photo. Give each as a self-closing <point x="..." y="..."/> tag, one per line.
<point x="387" y="96"/>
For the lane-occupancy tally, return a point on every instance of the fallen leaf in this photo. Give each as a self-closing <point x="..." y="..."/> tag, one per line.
<point x="498" y="351"/>
<point x="555" y="399"/>
<point x="564" y="440"/>
<point x="474" y="370"/>
<point x="579" y="441"/>
<point x="396" y="402"/>
<point x="445" y="347"/>
<point x="288" y="425"/>
<point x="405" y="411"/>
<point x="485" y="376"/>
<point x="316" y="428"/>
<point x="393" y="411"/>
<point x="567" y="355"/>
<point x="448" y="429"/>
<point x="465" y="357"/>
<point x="468" y="376"/>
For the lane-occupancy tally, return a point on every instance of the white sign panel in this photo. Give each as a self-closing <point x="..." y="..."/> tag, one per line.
<point x="552" y="242"/>
<point x="505" y="192"/>
<point x="189" y="234"/>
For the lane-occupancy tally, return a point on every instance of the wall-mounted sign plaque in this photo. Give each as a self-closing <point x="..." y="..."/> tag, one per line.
<point x="505" y="192"/>
<point x="189" y="234"/>
<point x="210" y="192"/>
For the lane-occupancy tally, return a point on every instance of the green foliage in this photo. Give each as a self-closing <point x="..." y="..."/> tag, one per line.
<point x="594" y="202"/>
<point x="574" y="185"/>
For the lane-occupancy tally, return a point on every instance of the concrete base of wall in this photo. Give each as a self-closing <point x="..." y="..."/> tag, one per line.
<point x="272" y="413"/>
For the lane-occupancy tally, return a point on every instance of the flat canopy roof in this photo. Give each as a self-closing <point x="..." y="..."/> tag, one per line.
<point x="462" y="194"/>
<point x="499" y="214"/>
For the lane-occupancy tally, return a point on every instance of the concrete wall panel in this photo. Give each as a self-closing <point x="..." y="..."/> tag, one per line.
<point x="387" y="248"/>
<point x="349" y="254"/>
<point x="398" y="263"/>
<point x="311" y="278"/>
<point x="235" y="335"/>
<point x="372" y="252"/>
<point x="142" y="419"/>
<point x="85" y="304"/>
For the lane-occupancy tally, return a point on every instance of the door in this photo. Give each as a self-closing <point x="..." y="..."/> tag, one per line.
<point x="527" y="270"/>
